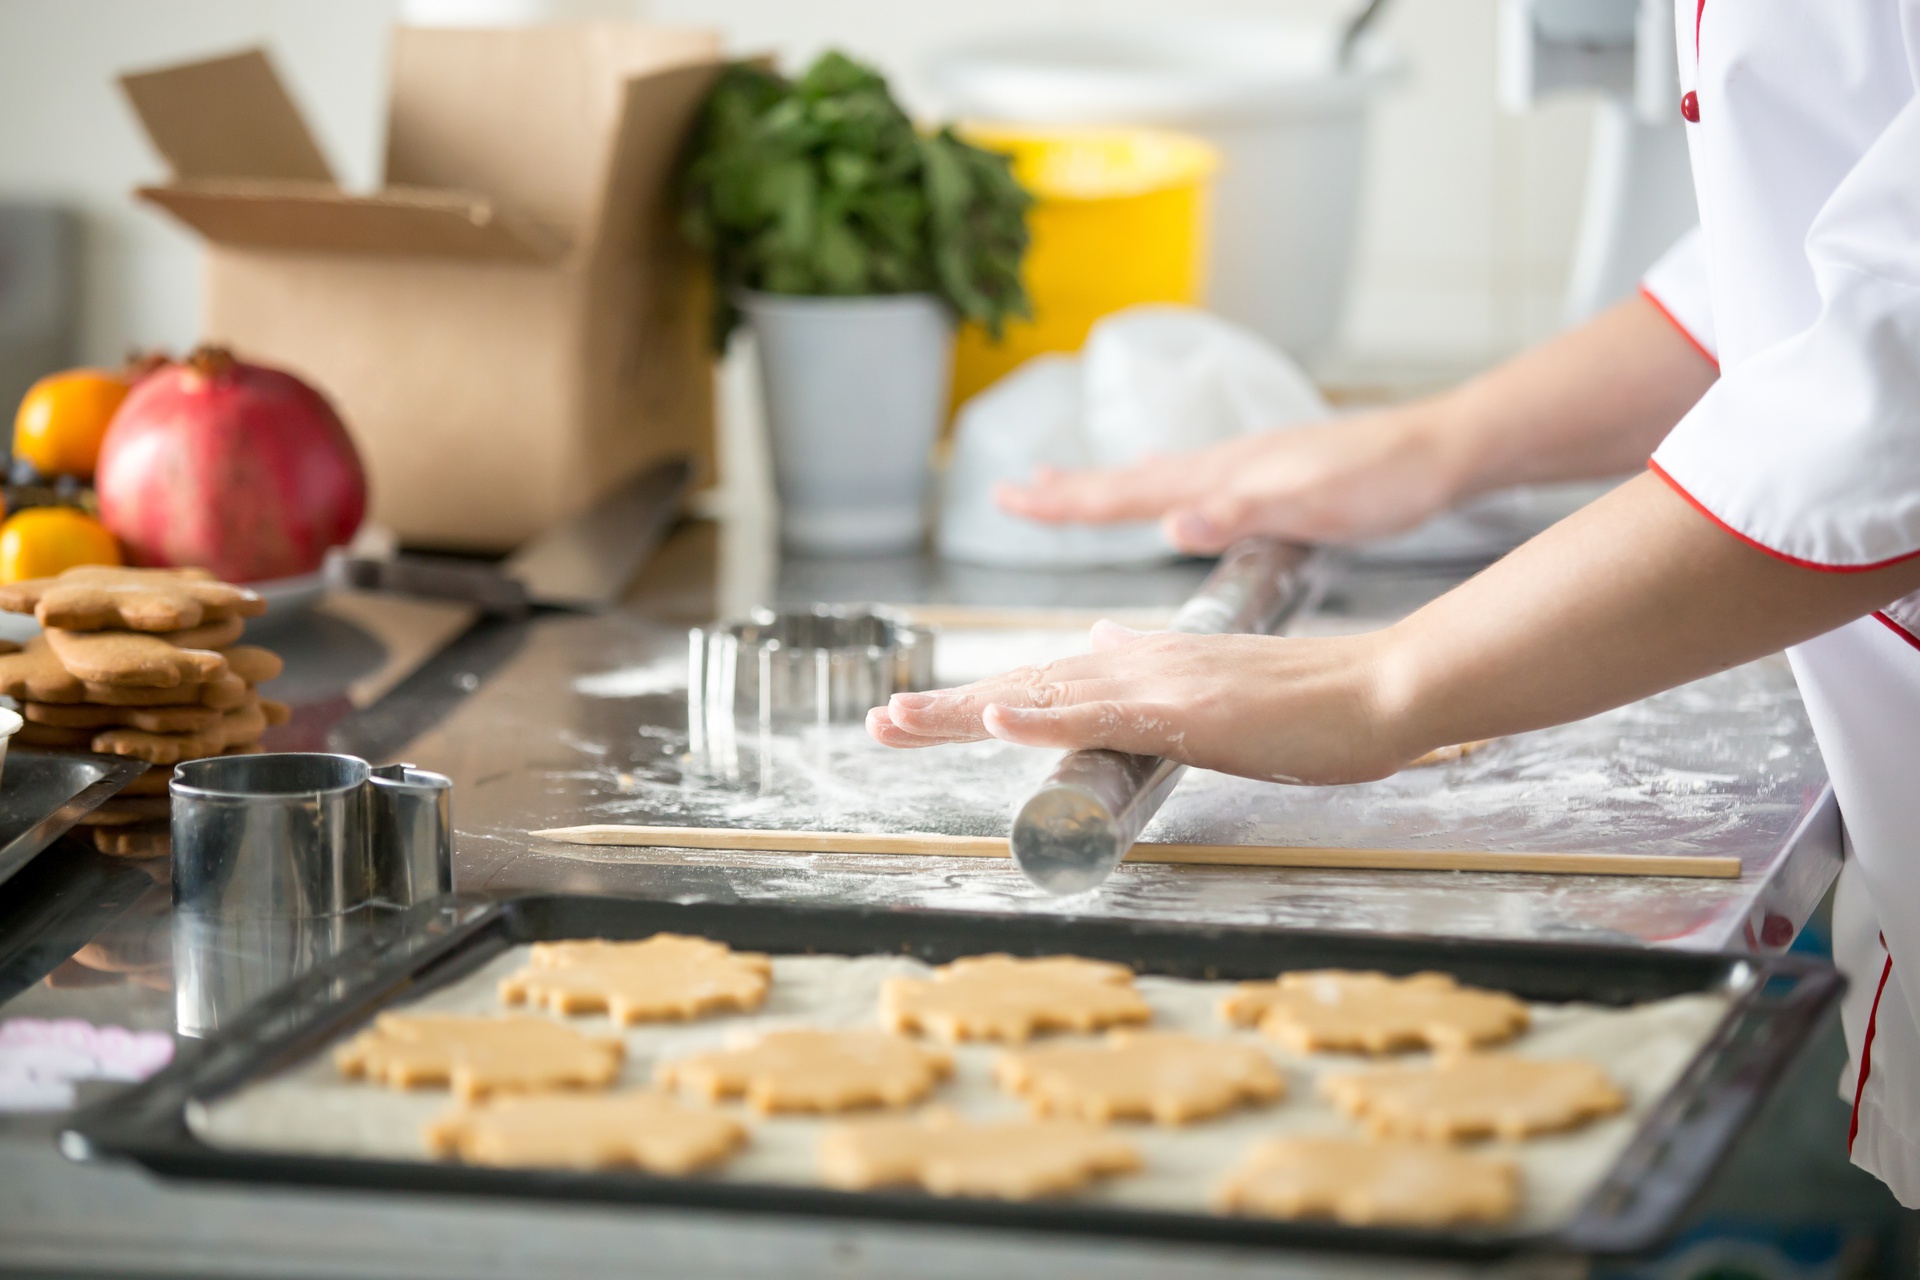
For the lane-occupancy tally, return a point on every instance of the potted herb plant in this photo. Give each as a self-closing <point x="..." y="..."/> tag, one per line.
<point x="850" y="242"/>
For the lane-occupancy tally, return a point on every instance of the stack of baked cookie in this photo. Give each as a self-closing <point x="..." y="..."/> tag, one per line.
<point x="142" y="663"/>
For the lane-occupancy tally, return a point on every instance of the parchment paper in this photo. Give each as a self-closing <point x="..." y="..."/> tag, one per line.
<point x="311" y="1109"/>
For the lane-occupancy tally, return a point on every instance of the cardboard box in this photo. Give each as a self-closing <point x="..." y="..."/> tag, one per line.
<point x="512" y="325"/>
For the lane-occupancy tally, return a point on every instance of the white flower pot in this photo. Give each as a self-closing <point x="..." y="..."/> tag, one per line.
<point x="855" y="391"/>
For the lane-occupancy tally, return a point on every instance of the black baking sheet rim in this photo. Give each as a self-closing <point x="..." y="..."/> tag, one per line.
<point x="1777" y="1002"/>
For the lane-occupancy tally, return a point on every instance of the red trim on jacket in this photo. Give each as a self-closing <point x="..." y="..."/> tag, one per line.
<point x="1699" y="12"/>
<point x="1866" y="1051"/>
<point x="1760" y="546"/>
<point x="1685" y="332"/>
<point x="1897" y="629"/>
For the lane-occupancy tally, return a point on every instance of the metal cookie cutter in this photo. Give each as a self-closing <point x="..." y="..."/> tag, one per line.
<point x="830" y="664"/>
<point x="303" y="834"/>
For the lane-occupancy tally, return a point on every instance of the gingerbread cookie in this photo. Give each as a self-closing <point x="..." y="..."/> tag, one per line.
<point x="950" y="1156"/>
<point x="1476" y="1095"/>
<point x="811" y="1070"/>
<point x="634" y="1129"/>
<point x="252" y="663"/>
<point x="93" y="597"/>
<point x="151" y="783"/>
<point x="237" y="728"/>
<point x="1000" y="997"/>
<point x="478" y="1055"/>
<point x="666" y="976"/>
<point x="1371" y="1183"/>
<point x="34" y="675"/>
<point x="1141" y="1075"/>
<point x="91" y="718"/>
<point x="125" y="811"/>
<point x="223" y="693"/>
<point x="132" y="658"/>
<point x="143" y="840"/>
<point x="1373" y="1013"/>
<point x="208" y="635"/>
<point x="54" y="736"/>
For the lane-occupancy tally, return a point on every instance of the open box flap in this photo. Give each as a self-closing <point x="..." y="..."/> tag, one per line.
<point x="226" y="117"/>
<point x="535" y="116"/>
<point x="657" y="118"/>
<point x="320" y="218"/>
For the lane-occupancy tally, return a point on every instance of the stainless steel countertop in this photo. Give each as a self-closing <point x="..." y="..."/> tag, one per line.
<point x="586" y="723"/>
<point x="1726" y="766"/>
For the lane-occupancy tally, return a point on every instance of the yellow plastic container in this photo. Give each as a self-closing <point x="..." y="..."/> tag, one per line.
<point x="1121" y="219"/>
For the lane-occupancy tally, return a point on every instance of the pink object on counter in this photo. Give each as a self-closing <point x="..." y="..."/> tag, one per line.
<point x="41" y="1058"/>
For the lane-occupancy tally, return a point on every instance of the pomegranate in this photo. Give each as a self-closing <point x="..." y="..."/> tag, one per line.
<point x="233" y="467"/>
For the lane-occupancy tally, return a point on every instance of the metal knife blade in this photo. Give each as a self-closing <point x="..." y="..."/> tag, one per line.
<point x="583" y="564"/>
<point x="588" y="562"/>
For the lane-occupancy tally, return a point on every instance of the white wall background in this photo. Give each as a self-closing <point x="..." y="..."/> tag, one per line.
<point x="1469" y="215"/>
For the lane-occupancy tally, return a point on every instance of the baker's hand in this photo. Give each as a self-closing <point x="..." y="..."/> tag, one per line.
<point x="1360" y="477"/>
<point x="1282" y="710"/>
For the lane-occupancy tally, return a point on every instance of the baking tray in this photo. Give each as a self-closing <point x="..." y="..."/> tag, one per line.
<point x="1776" y="1003"/>
<point x="43" y="793"/>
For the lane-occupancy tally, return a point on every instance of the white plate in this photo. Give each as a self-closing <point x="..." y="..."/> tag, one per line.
<point x="287" y="597"/>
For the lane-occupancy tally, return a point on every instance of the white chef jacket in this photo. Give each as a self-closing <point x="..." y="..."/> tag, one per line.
<point x="1803" y="283"/>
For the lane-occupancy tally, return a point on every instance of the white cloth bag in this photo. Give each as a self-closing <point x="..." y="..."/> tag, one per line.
<point x="1150" y="380"/>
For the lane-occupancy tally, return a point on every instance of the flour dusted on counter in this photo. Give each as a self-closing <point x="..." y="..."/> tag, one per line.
<point x="663" y="675"/>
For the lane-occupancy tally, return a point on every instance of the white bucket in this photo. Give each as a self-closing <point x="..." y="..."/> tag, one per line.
<point x="855" y="391"/>
<point x="1289" y="122"/>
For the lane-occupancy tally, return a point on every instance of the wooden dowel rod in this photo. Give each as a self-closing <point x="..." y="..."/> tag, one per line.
<point x="965" y="617"/>
<point x="1235" y="855"/>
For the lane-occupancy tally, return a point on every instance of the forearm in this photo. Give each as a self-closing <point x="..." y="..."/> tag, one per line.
<point x="1590" y="403"/>
<point x="1634" y="594"/>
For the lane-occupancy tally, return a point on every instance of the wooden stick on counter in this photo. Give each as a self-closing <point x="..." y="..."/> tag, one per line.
<point x="1232" y="855"/>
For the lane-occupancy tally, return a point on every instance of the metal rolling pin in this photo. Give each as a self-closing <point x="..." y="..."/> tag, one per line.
<point x="1072" y="832"/>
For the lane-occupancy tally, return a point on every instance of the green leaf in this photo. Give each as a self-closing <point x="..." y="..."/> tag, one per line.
<point x="823" y="186"/>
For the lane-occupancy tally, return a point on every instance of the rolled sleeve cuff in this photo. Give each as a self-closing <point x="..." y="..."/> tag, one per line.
<point x="1810" y="449"/>
<point x="1677" y="286"/>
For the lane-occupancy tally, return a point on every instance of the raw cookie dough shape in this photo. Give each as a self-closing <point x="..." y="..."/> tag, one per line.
<point x="948" y="1156"/>
<point x="666" y="976"/>
<point x="1000" y="997"/>
<point x="1342" y="1010"/>
<point x="1370" y="1183"/>
<point x="91" y="597"/>
<point x="814" y="1070"/>
<point x="633" y="1129"/>
<point x="1476" y="1095"/>
<point x="1141" y="1075"/>
<point x="478" y="1054"/>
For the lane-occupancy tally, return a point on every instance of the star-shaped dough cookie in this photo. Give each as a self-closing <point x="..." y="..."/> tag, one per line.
<point x="633" y="1128"/>
<point x="812" y="1070"/>
<point x="999" y="997"/>
<point x="476" y="1055"/>
<point x="1374" y="1013"/>
<point x="1476" y="1095"/>
<point x="1141" y="1075"/>
<point x="1370" y="1183"/>
<point x="949" y="1156"/>
<point x="666" y="976"/>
